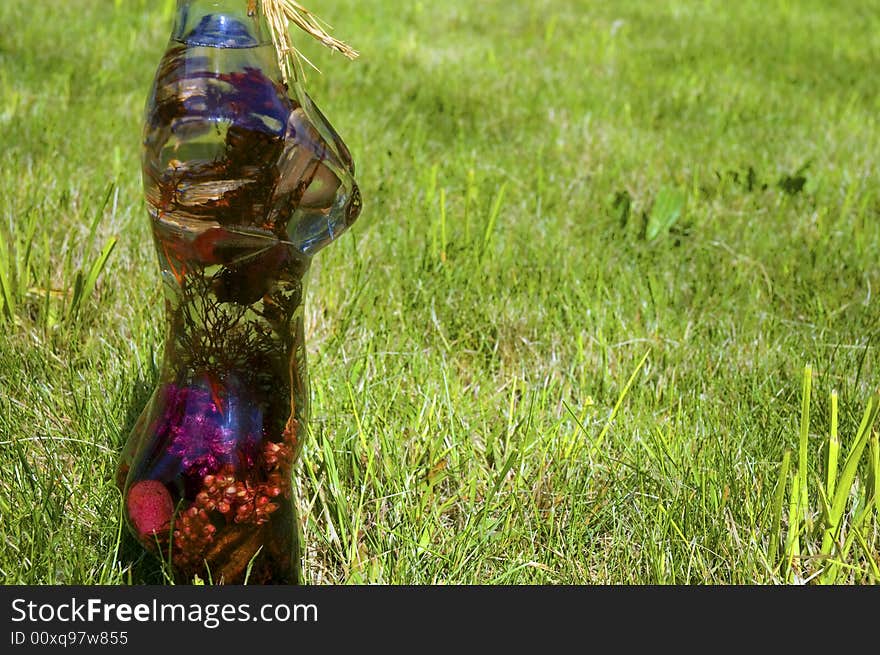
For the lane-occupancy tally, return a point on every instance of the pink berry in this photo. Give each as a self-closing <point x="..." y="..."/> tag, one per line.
<point x="149" y="506"/>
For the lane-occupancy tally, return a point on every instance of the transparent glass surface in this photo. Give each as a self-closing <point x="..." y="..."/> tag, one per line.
<point x="245" y="180"/>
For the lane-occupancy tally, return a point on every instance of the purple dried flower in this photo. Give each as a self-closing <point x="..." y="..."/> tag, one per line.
<point x="203" y="436"/>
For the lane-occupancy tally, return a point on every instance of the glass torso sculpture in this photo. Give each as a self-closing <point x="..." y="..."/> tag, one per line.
<point x="244" y="182"/>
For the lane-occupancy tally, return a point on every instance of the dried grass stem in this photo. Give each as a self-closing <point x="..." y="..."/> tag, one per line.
<point x="279" y="14"/>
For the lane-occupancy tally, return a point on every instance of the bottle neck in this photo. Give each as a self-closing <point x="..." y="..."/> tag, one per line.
<point x="220" y="24"/>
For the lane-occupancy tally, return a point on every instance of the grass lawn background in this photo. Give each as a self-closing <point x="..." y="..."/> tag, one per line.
<point x="561" y="198"/>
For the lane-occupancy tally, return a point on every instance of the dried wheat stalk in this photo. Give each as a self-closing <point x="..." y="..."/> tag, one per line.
<point x="279" y="13"/>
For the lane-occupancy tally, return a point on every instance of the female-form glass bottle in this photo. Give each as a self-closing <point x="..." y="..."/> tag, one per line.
<point x="245" y="181"/>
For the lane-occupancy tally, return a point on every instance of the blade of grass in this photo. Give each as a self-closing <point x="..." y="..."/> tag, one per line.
<point x="802" y="444"/>
<point x="493" y="217"/>
<point x="620" y="398"/>
<point x="875" y="472"/>
<point x="833" y="449"/>
<point x="469" y="200"/>
<point x="443" y="239"/>
<point x="824" y="502"/>
<point x="84" y="290"/>
<point x="776" y="512"/>
<point x="5" y="283"/>
<point x="99" y="214"/>
<point x="23" y="271"/>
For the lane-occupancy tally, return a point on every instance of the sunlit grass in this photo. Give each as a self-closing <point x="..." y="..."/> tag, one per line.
<point x="564" y="343"/>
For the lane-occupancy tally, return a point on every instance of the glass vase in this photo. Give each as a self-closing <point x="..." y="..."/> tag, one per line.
<point x="245" y="180"/>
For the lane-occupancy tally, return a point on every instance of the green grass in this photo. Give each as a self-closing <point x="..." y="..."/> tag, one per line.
<point x="566" y="340"/>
